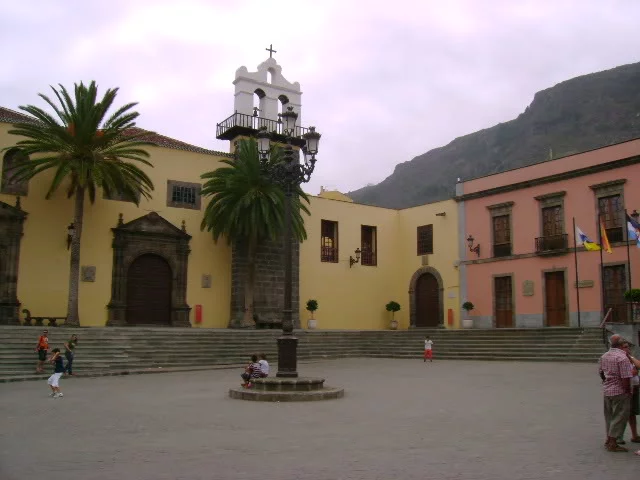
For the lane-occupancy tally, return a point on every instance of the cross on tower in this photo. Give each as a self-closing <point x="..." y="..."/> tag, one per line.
<point x="271" y="50"/>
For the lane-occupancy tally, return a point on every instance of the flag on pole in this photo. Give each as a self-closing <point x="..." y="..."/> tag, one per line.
<point x="633" y="228"/>
<point x="605" y="240"/>
<point x="582" y="239"/>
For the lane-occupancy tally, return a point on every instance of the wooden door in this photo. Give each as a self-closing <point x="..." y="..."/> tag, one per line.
<point x="149" y="291"/>
<point x="555" y="299"/>
<point x="503" y="302"/>
<point x="615" y="284"/>
<point x="427" y="301"/>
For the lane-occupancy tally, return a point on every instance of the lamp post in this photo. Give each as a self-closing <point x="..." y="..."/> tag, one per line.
<point x="289" y="174"/>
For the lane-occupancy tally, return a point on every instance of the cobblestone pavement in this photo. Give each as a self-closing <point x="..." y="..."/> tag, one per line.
<point x="400" y="419"/>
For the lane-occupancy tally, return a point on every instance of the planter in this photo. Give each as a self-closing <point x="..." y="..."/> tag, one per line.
<point x="467" y="323"/>
<point x="312" y="324"/>
<point x="394" y="325"/>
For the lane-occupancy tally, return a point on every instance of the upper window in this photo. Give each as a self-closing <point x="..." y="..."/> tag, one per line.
<point x="183" y="194"/>
<point x="425" y="239"/>
<point x="329" y="241"/>
<point x="122" y="197"/>
<point x="368" y="246"/>
<point x="502" y="235"/>
<point x="8" y="185"/>
<point x="611" y="212"/>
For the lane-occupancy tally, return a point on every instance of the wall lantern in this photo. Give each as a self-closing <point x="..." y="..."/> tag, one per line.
<point x="354" y="260"/>
<point x="635" y="215"/>
<point x="472" y="248"/>
<point x="71" y="233"/>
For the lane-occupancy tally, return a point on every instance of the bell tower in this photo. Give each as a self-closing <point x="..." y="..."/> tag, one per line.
<point x="260" y="98"/>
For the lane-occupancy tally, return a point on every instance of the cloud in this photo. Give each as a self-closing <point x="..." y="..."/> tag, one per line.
<point x="382" y="82"/>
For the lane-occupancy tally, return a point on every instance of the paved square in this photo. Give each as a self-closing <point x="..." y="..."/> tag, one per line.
<point x="400" y="419"/>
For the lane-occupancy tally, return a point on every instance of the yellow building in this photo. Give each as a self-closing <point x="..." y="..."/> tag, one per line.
<point x="151" y="264"/>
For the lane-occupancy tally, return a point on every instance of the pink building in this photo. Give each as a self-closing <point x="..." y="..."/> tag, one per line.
<point x="521" y="272"/>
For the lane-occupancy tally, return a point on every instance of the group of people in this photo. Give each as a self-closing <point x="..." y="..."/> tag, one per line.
<point x="618" y="371"/>
<point x="257" y="368"/>
<point x="59" y="368"/>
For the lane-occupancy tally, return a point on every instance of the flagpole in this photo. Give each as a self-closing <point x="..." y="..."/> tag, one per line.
<point x="575" y="254"/>
<point x="626" y="229"/>
<point x="601" y="264"/>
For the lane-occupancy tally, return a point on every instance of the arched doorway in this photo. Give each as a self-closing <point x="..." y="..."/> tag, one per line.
<point x="149" y="286"/>
<point x="426" y="301"/>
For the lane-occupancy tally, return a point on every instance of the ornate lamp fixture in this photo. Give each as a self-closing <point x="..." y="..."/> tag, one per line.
<point x="472" y="248"/>
<point x="352" y="260"/>
<point x="289" y="174"/>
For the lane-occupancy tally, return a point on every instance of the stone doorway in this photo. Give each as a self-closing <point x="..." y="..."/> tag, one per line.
<point x="149" y="291"/>
<point x="11" y="224"/>
<point x="152" y="253"/>
<point x="426" y="299"/>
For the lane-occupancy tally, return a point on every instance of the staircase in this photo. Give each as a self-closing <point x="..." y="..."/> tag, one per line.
<point x="131" y="350"/>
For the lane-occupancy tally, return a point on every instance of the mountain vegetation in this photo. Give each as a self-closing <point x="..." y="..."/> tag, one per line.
<point x="574" y="116"/>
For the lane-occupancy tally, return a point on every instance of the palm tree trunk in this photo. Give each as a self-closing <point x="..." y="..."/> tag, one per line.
<point x="73" y="319"/>
<point x="249" y="286"/>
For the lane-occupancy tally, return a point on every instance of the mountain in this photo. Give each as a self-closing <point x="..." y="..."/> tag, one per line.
<point x="574" y="116"/>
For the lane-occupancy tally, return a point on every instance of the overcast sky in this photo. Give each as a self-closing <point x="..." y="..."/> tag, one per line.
<point x="383" y="81"/>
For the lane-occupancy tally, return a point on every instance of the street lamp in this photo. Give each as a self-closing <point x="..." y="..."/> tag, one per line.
<point x="289" y="174"/>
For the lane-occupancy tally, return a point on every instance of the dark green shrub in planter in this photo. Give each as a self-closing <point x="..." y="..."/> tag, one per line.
<point x="632" y="295"/>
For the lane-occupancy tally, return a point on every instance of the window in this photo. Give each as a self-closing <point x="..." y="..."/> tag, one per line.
<point x="183" y="195"/>
<point x="611" y="210"/>
<point x="425" y="239"/>
<point x="329" y="241"/>
<point x="502" y="236"/>
<point x="368" y="246"/>
<point x="501" y="228"/>
<point x="8" y="185"/>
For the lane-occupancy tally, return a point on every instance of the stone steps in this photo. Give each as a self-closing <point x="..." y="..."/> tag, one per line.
<point x="127" y="349"/>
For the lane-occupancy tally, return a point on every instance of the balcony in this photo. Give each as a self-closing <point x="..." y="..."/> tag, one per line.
<point x="552" y="244"/>
<point x="248" y="125"/>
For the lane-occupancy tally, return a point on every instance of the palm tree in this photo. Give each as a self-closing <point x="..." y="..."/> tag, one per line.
<point x="86" y="151"/>
<point x="247" y="208"/>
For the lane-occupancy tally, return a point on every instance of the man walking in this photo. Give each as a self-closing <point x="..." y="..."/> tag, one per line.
<point x="616" y="372"/>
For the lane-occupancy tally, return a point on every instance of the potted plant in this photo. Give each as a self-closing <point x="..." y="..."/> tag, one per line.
<point x="312" y="306"/>
<point x="467" y="322"/>
<point x="633" y="297"/>
<point x="393" y="307"/>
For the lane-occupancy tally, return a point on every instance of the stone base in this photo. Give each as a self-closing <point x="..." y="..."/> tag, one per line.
<point x="287" y="390"/>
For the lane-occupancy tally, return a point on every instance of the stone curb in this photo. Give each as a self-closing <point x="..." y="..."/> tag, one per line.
<point x="327" y="393"/>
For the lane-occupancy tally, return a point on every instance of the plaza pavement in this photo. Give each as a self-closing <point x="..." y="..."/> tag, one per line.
<point x="399" y="420"/>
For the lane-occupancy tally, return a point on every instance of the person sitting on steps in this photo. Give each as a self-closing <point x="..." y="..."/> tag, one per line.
<point x="251" y="371"/>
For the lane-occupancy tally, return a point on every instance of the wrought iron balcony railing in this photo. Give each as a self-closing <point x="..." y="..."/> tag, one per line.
<point x="552" y="244"/>
<point x="243" y="124"/>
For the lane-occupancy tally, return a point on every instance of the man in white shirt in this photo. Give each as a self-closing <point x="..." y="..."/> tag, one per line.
<point x="428" y="349"/>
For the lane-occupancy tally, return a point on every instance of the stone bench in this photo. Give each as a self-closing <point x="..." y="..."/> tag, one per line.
<point x="39" y="321"/>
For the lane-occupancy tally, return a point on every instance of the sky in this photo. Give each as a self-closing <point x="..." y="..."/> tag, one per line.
<point x="383" y="81"/>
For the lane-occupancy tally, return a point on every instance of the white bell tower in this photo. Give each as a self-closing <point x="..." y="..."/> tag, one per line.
<point x="260" y="97"/>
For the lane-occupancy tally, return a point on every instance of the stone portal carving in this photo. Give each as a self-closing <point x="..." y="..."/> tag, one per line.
<point x="149" y="234"/>
<point x="11" y="224"/>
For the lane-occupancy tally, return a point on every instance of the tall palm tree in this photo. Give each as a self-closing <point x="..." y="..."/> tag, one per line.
<point x="86" y="150"/>
<point x="247" y="208"/>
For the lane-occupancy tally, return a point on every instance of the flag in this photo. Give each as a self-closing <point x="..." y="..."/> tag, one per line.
<point x="582" y="239"/>
<point x="604" y="239"/>
<point x="633" y="228"/>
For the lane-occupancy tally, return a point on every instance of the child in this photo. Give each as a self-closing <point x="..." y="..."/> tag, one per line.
<point x="69" y="347"/>
<point x="264" y="366"/>
<point x="42" y="348"/>
<point x="58" y="369"/>
<point x="428" y="352"/>
<point x="251" y="371"/>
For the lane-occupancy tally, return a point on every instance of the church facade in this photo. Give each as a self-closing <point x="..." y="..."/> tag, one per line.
<point x="152" y="265"/>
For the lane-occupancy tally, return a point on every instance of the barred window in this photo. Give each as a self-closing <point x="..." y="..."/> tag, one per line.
<point x="425" y="239"/>
<point x="329" y="241"/>
<point x="368" y="245"/>
<point x="183" y="195"/>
